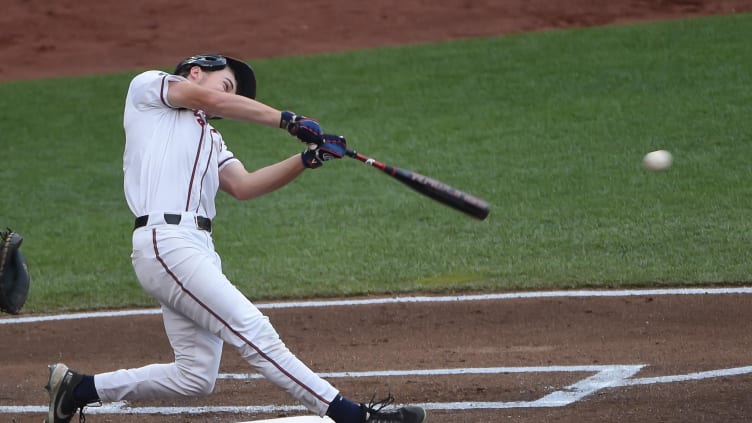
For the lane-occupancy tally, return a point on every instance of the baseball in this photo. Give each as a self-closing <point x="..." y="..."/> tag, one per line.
<point x="656" y="161"/>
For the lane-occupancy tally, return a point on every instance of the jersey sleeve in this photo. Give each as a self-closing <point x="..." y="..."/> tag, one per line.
<point x="149" y="89"/>
<point x="225" y="156"/>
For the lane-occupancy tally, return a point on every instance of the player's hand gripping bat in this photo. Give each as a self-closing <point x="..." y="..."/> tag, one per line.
<point x="432" y="188"/>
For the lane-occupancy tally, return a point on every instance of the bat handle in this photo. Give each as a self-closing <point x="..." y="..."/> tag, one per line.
<point x="369" y="161"/>
<point x="357" y="156"/>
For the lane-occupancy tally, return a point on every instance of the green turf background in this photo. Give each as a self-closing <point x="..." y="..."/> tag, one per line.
<point x="549" y="127"/>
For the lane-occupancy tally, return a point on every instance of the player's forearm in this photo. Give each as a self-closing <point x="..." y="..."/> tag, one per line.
<point x="216" y="103"/>
<point x="269" y="178"/>
<point x="244" y="109"/>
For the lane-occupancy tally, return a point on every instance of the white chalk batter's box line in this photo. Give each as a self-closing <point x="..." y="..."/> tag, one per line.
<point x="604" y="377"/>
<point x="419" y="299"/>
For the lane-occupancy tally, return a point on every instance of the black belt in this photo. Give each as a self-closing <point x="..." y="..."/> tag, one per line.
<point x="203" y="223"/>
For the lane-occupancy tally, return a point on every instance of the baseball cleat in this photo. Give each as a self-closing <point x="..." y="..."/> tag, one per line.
<point x="407" y="414"/>
<point x="60" y="385"/>
<point x="375" y="413"/>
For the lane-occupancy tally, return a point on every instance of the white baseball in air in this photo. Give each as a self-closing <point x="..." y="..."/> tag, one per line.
<point x="657" y="161"/>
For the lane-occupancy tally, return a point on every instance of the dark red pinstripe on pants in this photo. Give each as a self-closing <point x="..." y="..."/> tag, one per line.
<point x="227" y="325"/>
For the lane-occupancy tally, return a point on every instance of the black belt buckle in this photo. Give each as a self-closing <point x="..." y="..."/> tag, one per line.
<point x="172" y="219"/>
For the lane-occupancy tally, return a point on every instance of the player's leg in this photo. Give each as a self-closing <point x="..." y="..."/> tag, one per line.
<point x="197" y="357"/>
<point x="181" y="270"/>
<point x="210" y="300"/>
<point x="187" y="277"/>
<point x="194" y="371"/>
<point x="197" y="351"/>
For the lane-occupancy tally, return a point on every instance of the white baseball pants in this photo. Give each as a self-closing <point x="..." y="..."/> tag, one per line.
<point x="201" y="309"/>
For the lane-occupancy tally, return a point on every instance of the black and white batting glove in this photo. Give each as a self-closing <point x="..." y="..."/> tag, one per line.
<point x="333" y="147"/>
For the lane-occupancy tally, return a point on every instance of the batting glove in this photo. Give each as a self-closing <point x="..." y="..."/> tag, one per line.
<point x="307" y="130"/>
<point x="333" y="147"/>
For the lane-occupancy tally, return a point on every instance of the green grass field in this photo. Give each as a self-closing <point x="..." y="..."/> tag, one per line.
<point x="548" y="127"/>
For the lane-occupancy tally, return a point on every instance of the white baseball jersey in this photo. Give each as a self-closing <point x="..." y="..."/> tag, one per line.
<point x="172" y="156"/>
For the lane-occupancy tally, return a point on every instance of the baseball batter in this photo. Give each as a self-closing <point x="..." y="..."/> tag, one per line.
<point x="174" y="163"/>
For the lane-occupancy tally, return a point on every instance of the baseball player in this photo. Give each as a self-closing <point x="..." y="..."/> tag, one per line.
<point x="174" y="163"/>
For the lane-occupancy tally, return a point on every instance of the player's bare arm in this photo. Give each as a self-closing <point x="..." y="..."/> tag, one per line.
<point x="235" y="180"/>
<point x="224" y="104"/>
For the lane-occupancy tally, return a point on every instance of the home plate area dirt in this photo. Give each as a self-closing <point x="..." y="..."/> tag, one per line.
<point x="644" y="357"/>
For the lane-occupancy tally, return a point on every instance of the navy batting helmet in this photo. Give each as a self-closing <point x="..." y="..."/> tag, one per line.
<point x="212" y="62"/>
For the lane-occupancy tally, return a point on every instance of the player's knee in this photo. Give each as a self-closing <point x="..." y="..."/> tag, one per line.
<point x="196" y="383"/>
<point x="198" y="386"/>
<point x="204" y="387"/>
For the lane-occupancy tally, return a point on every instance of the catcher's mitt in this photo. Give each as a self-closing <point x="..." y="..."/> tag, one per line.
<point x="14" y="274"/>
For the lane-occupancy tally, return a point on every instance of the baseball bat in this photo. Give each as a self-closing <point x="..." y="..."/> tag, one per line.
<point x="430" y="187"/>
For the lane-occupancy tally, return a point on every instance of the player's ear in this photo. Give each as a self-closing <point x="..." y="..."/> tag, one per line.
<point x="195" y="73"/>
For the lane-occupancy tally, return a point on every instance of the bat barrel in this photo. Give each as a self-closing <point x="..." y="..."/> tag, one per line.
<point x="432" y="188"/>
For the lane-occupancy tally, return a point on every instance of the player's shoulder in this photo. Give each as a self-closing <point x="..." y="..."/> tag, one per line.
<point x="152" y="75"/>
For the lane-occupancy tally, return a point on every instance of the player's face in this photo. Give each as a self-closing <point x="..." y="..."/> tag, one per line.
<point x="221" y="80"/>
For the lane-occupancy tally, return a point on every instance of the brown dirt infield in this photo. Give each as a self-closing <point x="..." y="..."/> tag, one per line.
<point x="670" y="335"/>
<point x="72" y="37"/>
